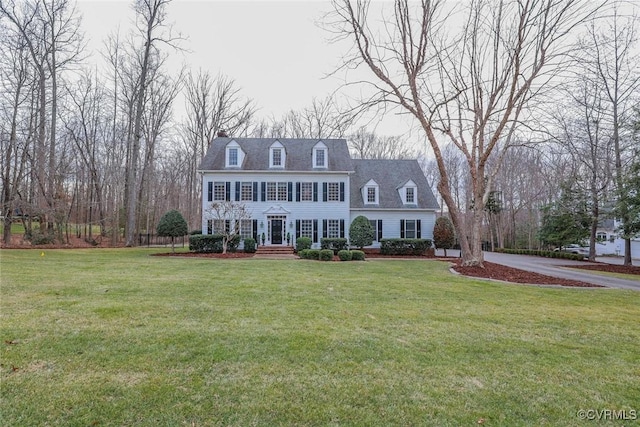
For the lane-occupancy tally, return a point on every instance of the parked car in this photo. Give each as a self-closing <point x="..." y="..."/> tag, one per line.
<point x="574" y="248"/>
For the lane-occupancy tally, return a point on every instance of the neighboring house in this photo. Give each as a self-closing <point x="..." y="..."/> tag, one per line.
<point x="610" y="243"/>
<point x="312" y="188"/>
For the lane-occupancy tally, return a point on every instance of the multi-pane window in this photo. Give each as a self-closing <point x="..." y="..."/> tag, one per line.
<point x="218" y="226"/>
<point x="277" y="157"/>
<point x="410" y="229"/>
<point x="277" y="191"/>
<point x="371" y="194"/>
<point x="246" y="228"/>
<point x="246" y="191"/>
<point x="306" y="191"/>
<point x="333" y="228"/>
<point x="333" y="192"/>
<point x="219" y="191"/>
<point x="376" y="224"/>
<point x="320" y="158"/>
<point x="410" y="195"/>
<point x="306" y="228"/>
<point x="233" y="157"/>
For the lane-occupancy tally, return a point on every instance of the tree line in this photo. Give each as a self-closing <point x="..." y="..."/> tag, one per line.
<point x="520" y="107"/>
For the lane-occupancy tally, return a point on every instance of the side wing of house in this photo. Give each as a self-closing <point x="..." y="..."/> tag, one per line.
<point x="396" y="198"/>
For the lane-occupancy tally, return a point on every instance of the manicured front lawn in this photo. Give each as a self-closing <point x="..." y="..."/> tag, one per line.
<point x="118" y="337"/>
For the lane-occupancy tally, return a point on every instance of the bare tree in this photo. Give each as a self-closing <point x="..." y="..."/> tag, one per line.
<point x="368" y="145"/>
<point x="213" y="104"/>
<point x="611" y="59"/>
<point x="471" y="88"/>
<point x="227" y="218"/>
<point x="324" y="118"/>
<point x="151" y="25"/>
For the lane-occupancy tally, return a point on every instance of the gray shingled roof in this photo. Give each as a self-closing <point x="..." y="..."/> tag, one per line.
<point x="390" y="175"/>
<point x="298" y="152"/>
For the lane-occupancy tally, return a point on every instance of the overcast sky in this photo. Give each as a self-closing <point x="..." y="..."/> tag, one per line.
<point x="275" y="50"/>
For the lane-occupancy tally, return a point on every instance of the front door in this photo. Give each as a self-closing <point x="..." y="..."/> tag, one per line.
<point x="276" y="231"/>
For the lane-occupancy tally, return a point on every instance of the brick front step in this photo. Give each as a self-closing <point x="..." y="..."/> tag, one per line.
<point x="274" y="250"/>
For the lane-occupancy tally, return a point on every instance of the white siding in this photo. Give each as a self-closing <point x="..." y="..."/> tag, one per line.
<point x="391" y="221"/>
<point x="293" y="210"/>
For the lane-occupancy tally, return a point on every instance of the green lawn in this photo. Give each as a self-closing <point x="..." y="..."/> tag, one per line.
<point x="115" y="337"/>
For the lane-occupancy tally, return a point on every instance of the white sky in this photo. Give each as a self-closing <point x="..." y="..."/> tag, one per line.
<point x="274" y="50"/>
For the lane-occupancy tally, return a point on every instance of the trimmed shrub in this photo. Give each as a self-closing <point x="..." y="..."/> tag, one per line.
<point x="313" y="254"/>
<point x="195" y="232"/>
<point x="336" y="244"/>
<point x="326" y="255"/>
<point x="546" y="254"/>
<point x="344" y="255"/>
<point x="211" y="243"/>
<point x="414" y="247"/>
<point x="250" y="245"/>
<point x="357" y="255"/>
<point x="37" y="237"/>
<point x="303" y="243"/>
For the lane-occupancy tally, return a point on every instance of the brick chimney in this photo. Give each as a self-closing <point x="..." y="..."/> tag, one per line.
<point x="222" y="134"/>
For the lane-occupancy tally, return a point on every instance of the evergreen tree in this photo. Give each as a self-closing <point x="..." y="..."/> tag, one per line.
<point x="565" y="221"/>
<point x="361" y="232"/>
<point x="173" y="225"/>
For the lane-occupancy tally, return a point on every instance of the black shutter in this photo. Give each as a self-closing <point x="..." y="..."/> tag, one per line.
<point x="227" y="225"/>
<point x="315" y="231"/>
<point x="325" y="191"/>
<point x="290" y="191"/>
<point x="297" y="228"/>
<point x="342" y="191"/>
<point x="255" y="191"/>
<point x="342" y="228"/>
<point x="209" y="226"/>
<point x="418" y="227"/>
<point x="379" y="229"/>
<point x="254" y="230"/>
<point x="297" y="191"/>
<point x="237" y="191"/>
<point x="210" y="192"/>
<point x="263" y="195"/>
<point x="402" y="228"/>
<point x="315" y="191"/>
<point x="227" y="191"/>
<point x="324" y="228"/>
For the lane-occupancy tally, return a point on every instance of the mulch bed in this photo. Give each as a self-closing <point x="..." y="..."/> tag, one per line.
<point x="206" y="255"/>
<point x="508" y="274"/>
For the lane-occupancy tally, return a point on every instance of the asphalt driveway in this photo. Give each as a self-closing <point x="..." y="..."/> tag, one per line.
<point x="556" y="268"/>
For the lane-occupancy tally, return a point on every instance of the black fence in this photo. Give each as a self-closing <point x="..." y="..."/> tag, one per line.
<point x="149" y="239"/>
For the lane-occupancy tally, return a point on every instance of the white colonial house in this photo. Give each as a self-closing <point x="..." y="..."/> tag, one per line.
<point x="312" y="188"/>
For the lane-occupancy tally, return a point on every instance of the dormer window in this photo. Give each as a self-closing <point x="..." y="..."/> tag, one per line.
<point x="409" y="193"/>
<point x="370" y="193"/>
<point x="320" y="159"/>
<point x="277" y="155"/>
<point x="410" y="196"/>
<point x="233" y="155"/>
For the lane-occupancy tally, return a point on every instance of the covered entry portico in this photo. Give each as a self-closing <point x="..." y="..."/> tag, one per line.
<point x="277" y="219"/>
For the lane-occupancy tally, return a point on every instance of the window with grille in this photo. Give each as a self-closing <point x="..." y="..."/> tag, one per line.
<point x="246" y="228"/>
<point x="410" y="195"/>
<point x="333" y="228"/>
<point x="277" y="191"/>
<point x="219" y="191"/>
<point x="371" y="195"/>
<point x="306" y="191"/>
<point x="246" y="191"/>
<point x="233" y="157"/>
<point x="321" y="158"/>
<point x="306" y="228"/>
<point x="276" y="157"/>
<point x="333" y="192"/>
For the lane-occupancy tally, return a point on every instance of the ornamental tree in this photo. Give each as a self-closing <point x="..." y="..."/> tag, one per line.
<point x="444" y="235"/>
<point x="172" y="224"/>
